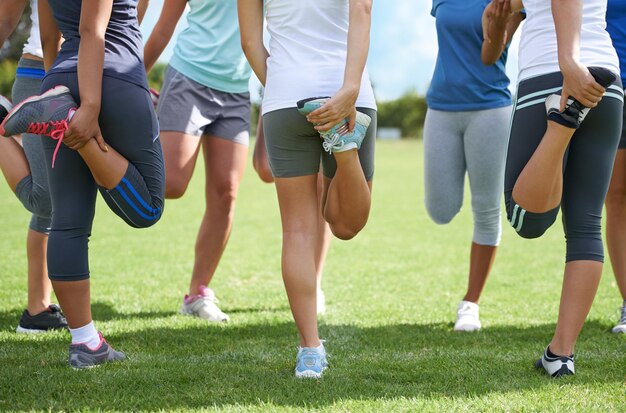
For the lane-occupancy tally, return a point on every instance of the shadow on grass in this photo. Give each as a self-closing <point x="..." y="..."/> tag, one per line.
<point x="201" y="366"/>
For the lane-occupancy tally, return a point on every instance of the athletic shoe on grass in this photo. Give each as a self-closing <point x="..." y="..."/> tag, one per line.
<point x="46" y="114"/>
<point x="204" y="306"/>
<point x="556" y="366"/>
<point x="5" y="107"/>
<point x="311" y="362"/>
<point x="50" y="319"/>
<point x="621" y="325"/>
<point x="467" y="317"/>
<point x="575" y="112"/>
<point x="338" y="138"/>
<point x="83" y="357"/>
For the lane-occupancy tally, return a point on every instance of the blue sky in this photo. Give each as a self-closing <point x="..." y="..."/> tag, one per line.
<point x="403" y="48"/>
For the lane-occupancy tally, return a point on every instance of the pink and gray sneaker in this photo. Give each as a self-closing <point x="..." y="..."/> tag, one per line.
<point x="204" y="306"/>
<point x="46" y="114"/>
<point x="83" y="357"/>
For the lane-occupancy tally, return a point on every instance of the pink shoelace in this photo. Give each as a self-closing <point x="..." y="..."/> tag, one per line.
<point x="56" y="132"/>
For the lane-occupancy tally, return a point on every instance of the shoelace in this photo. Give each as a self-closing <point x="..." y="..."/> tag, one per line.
<point x="334" y="141"/>
<point x="57" y="132"/>
<point x="623" y="318"/>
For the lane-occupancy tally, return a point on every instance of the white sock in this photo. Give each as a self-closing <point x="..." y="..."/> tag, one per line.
<point x="86" y="335"/>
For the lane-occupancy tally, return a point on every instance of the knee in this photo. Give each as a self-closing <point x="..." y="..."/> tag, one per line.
<point x="35" y="198"/>
<point x="224" y="198"/>
<point x="487" y="226"/>
<point x="442" y="215"/>
<point x="263" y="170"/>
<point x="146" y="221"/>
<point x="175" y="185"/>
<point x="530" y="224"/>
<point x="344" y="232"/>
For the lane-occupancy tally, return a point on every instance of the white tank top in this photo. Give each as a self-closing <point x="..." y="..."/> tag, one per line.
<point x="308" y="47"/>
<point x="33" y="45"/>
<point x="538" y="52"/>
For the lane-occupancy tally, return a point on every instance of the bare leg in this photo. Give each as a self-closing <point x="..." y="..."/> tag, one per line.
<point x="481" y="260"/>
<point x="580" y="284"/>
<point x="39" y="287"/>
<point x="324" y="234"/>
<point x="616" y="221"/>
<point x="348" y="198"/>
<point x="13" y="162"/>
<point x="75" y="300"/>
<point x="225" y="163"/>
<point x="180" y="152"/>
<point x="540" y="185"/>
<point x="107" y="168"/>
<point x="297" y="198"/>
<point x="259" y="158"/>
<point x="15" y="168"/>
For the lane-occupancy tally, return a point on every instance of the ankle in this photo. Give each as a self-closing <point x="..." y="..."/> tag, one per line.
<point x="560" y="349"/>
<point x="37" y="307"/>
<point x="316" y="342"/>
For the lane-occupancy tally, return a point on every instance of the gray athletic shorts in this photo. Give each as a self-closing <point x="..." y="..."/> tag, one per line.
<point x="294" y="147"/>
<point x="190" y="107"/>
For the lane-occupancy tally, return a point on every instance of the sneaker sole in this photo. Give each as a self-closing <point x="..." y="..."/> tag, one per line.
<point x="217" y="321"/>
<point x="55" y="91"/>
<point x="467" y="329"/>
<point x="22" y="330"/>
<point x="621" y="329"/>
<point x="308" y="374"/>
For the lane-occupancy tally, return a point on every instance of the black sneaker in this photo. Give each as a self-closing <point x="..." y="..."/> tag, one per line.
<point x="50" y="319"/>
<point x="82" y="357"/>
<point x="575" y="112"/>
<point x="556" y="366"/>
<point x="5" y="107"/>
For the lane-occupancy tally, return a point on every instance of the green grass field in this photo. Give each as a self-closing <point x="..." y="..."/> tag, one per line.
<point x="391" y="297"/>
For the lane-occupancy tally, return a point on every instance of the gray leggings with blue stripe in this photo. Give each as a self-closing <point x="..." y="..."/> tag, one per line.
<point x="587" y="166"/>
<point x="129" y="125"/>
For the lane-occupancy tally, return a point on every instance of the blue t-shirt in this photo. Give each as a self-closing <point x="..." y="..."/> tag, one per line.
<point x="123" y="54"/>
<point x="616" y="26"/>
<point x="461" y="81"/>
<point x="209" y="50"/>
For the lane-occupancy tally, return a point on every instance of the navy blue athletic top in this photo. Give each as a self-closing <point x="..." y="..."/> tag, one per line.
<point x="616" y="26"/>
<point x="123" y="57"/>
<point x="461" y="81"/>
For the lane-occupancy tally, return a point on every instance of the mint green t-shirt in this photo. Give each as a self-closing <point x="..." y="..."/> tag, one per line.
<point x="209" y="50"/>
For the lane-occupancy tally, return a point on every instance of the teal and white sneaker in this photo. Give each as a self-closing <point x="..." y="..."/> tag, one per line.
<point x="311" y="362"/>
<point x="338" y="138"/>
<point x="620" y="327"/>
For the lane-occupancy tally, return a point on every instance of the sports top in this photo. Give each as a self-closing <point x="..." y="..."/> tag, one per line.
<point x="33" y="44"/>
<point x="123" y="55"/>
<point x="308" y="48"/>
<point x="616" y="26"/>
<point x="461" y="81"/>
<point x="538" y="53"/>
<point x="209" y="49"/>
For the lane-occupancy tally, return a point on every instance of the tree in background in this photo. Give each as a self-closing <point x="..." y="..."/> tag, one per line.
<point x="407" y="113"/>
<point x="11" y="51"/>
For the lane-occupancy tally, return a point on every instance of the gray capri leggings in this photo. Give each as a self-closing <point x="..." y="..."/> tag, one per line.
<point x="32" y="191"/>
<point x="472" y="141"/>
<point x="587" y="165"/>
<point x="294" y="146"/>
<point x="129" y="125"/>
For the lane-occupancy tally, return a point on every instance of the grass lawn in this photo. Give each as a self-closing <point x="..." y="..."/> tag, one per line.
<point x="391" y="294"/>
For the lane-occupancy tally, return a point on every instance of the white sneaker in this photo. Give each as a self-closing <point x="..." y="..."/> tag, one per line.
<point x="467" y="317"/>
<point x="620" y="328"/>
<point x="204" y="306"/>
<point x="321" y="302"/>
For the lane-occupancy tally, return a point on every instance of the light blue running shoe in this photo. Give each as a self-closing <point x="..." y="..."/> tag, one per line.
<point x="311" y="362"/>
<point x="338" y="138"/>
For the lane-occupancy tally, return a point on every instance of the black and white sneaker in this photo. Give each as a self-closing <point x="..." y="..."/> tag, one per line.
<point x="5" y="107"/>
<point x="83" y="357"/>
<point x="620" y="327"/>
<point x="575" y="112"/>
<point x="555" y="366"/>
<point x="50" y="319"/>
